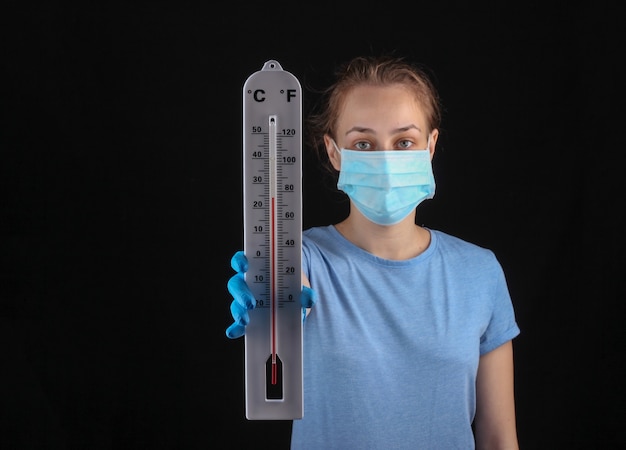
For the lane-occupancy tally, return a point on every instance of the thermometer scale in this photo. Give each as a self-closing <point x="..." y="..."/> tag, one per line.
<point x="272" y="192"/>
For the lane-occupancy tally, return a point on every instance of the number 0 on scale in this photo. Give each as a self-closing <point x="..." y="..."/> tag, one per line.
<point x="272" y="195"/>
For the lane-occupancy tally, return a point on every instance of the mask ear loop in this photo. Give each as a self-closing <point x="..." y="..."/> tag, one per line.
<point x="335" y="144"/>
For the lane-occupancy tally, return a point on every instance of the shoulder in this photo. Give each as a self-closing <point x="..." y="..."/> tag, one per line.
<point x="318" y="235"/>
<point x="456" y="243"/>
<point x="323" y="240"/>
<point x="453" y="247"/>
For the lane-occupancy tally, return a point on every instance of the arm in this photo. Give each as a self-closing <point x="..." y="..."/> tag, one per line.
<point x="495" y="403"/>
<point x="307" y="283"/>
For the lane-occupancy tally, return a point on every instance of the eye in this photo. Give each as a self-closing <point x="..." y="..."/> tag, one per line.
<point x="404" y="144"/>
<point x="362" y="145"/>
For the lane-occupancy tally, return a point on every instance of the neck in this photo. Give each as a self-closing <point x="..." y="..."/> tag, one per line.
<point x="401" y="241"/>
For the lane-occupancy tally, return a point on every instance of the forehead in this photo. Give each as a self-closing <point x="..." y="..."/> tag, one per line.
<point x="380" y="107"/>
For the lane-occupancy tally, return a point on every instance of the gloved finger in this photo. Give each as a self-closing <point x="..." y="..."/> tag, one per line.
<point x="240" y="291"/>
<point x="239" y="262"/>
<point x="241" y="320"/>
<point x="308" y="297"/>
<point x="239" y="313"/>
<point x="235" y="331"/>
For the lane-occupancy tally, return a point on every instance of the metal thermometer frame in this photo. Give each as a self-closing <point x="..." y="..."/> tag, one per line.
<point x="272" y="172"/>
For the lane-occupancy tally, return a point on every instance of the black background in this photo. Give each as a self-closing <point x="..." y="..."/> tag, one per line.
<point x="121" y="204"/>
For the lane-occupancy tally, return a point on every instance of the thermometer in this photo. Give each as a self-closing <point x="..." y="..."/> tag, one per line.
<point x="272" y="196"/>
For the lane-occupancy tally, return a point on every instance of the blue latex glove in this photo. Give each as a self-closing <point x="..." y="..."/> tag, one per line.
<point x="243" y="300"/>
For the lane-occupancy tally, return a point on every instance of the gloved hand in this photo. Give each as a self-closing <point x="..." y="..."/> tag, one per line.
<point x="243" y="300"/>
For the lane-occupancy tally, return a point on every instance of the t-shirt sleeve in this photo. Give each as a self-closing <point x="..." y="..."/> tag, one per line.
<point x="502" y="326"/>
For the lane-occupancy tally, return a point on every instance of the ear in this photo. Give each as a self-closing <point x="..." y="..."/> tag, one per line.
<point x="433" y="142"/>
<point x="333" y="154"/>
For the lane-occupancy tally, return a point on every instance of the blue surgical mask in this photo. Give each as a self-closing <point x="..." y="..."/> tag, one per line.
<point x="386" y="185"/>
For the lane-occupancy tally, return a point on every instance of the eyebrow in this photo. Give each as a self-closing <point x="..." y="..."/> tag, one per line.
<point x="395" y="131"/>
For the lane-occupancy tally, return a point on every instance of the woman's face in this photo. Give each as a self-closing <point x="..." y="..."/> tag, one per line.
<point x="380" y="118"/>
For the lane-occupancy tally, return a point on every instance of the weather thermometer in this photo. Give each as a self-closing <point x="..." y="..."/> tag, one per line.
<point x="272" y="195"/>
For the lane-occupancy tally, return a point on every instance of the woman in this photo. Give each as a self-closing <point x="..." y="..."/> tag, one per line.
<point x="409" y="342"/>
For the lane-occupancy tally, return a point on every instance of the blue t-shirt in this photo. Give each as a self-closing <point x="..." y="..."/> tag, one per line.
<point x="391" y="348"/>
